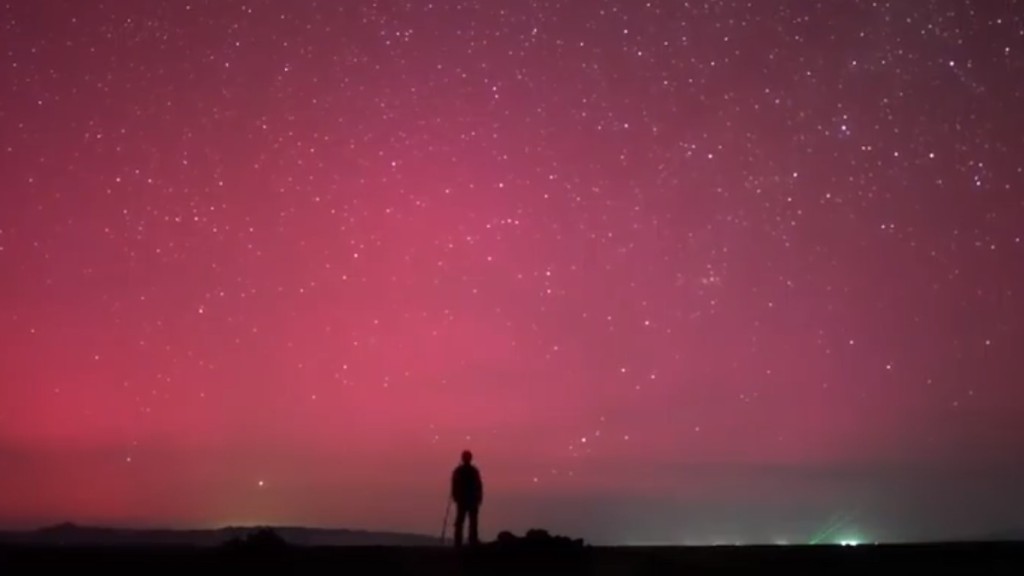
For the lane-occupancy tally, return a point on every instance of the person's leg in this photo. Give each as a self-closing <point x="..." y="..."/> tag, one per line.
<point x="474" y="537"/>
<point x="460" y="519"/>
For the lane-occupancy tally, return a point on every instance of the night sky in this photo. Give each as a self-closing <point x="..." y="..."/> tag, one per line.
<point x="675" y="271"/>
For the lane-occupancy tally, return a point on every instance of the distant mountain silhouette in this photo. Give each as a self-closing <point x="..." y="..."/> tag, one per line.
<point x="536" y="540"/>
<point x="264" y="540"/>
<point x="68" y="534"/>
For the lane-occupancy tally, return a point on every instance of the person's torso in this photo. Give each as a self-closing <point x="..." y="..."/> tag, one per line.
<point x="467" y="479"/>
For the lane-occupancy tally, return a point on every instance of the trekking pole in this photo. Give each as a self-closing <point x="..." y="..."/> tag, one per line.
<point x="444" y="526"/>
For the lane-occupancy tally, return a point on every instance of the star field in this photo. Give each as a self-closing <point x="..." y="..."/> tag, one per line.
<point x="672" y="270"/>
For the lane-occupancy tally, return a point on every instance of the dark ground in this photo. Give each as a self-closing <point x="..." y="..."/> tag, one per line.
<point x="993" y="558"/>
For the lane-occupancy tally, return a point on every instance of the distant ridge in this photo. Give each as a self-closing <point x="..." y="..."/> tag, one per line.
<point x="69" y="534"/>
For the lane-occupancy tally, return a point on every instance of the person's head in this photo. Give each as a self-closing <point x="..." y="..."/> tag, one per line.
<point x="467" y="456"/>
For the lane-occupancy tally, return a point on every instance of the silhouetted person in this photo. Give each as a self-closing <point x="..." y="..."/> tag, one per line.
<point x="468" y="494"/>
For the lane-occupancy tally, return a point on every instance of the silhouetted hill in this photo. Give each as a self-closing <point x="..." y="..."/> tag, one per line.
<point x="535" y="540"/>
<point x="73" y="535"/>
<point x="531" y="554"/>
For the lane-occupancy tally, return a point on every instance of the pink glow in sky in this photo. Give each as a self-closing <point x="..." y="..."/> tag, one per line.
<point x="672" y="270"/>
